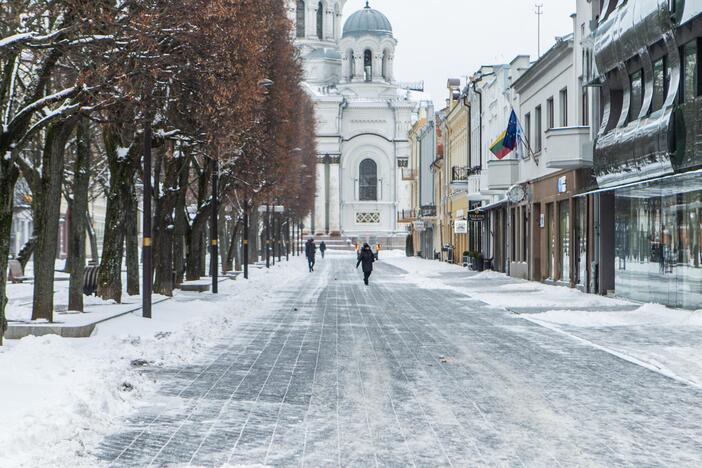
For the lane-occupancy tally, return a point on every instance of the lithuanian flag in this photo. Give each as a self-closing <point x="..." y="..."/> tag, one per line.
<point x="507" y="140"/>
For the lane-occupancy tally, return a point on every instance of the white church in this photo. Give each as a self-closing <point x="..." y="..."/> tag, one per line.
<point x="363" y="119"/>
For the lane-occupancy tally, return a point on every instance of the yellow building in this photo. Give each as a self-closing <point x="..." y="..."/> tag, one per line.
<point x="411" y="174"/>
<point x="457" y="171"/>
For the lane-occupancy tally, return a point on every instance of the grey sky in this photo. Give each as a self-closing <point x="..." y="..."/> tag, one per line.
<point x="440" y="39"/>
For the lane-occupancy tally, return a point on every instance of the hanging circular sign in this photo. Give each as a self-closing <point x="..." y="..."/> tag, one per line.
<point x="516" y="194"/>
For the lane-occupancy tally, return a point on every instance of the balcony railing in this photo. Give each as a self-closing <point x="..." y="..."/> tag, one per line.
<point x="406" y="216"/>
<point x="461" y="174"/>
<point x="502" y="174"/>
<point x="409" y="174"/>
<point x="568" y="148"/>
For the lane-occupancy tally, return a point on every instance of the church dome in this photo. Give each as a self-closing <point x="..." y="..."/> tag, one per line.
<point x="367" y="21"/>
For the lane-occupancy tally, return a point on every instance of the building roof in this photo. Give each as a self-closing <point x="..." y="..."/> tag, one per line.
<point x="324" y="53"/>
<point x="367" y="21"/>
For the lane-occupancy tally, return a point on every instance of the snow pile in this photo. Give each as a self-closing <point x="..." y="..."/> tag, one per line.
<point x="646" y="315"/>
<point x="65" y="395"/>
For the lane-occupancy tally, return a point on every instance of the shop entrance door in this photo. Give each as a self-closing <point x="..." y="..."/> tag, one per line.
<point x="564" y="240"/>
<point x="581" y="242"/>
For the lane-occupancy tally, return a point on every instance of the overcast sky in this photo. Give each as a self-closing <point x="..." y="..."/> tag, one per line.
<point x="441" y="39"/>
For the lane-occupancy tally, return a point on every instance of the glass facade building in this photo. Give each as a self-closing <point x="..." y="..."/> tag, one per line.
<point x="657" y="244"/>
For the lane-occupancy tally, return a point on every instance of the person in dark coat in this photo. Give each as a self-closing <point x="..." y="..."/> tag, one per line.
<point x="322" y="248"/>
<point x="310" y="252"/>
<point x="366" y="258"/>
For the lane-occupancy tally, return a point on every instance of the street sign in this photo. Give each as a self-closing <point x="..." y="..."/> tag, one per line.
<point x="460" y="227"/>
<point x="419" y="226"/>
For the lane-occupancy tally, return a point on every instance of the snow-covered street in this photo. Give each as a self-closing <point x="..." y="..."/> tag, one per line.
<point x="330" y="372"/>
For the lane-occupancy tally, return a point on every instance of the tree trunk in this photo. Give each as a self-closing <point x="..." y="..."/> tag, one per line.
<point x="164" y="224"/>
<point x="79" y="217"/>
<point x="195" y="247"/>
<point x="131" y="213"/>
<point x="8" y="179"/>
<point x="46" y="205"/>
<point x="122" y="170"/>
<point x="181" y="220"/>
<point x="254" y="240"/>
<point x="232" y="249"/>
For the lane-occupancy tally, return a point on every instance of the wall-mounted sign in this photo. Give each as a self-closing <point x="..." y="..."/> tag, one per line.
<point x="562" y="184"/>
<point x="476" y="217"/>
<point x="402" y="162"/>
<point x="460" y="227"/>
<point x="542" y="221"/>
<point x="459" y="213"/>
<point x="419" y="226"/>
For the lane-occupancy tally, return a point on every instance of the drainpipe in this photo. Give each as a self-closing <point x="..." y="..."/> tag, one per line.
<point x="480" y="126"/>
<point x="474" y="82"/>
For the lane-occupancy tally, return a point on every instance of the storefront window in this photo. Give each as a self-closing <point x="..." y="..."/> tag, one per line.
<point x="658" y="242"/>
<point x="564" y="239"/>
<point x="581" y="233"/>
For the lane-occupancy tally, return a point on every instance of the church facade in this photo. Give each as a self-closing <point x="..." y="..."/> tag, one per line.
<point x="363" y="119"/>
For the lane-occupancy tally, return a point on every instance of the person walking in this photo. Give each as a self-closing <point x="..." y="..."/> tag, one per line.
<point x="310" y="252"/>
<point x="322" y="248"/>
<point x="366" y="258"/>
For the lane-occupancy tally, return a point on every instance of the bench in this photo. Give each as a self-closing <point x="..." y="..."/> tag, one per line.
<point x="15" y="274"/>
<point x="90" y="280"/>
<point x="232" y="275"/>
<point x="195" y="286"/>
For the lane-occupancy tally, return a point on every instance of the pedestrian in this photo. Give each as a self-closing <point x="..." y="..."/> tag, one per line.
<point x="310" y="252"/>
<point x="366" y="258"/>
<point x="322" y="248"/>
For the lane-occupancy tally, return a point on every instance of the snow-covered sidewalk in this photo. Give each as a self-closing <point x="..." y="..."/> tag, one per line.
<point x="64" y="395"/>
<point x="668" y="341"/>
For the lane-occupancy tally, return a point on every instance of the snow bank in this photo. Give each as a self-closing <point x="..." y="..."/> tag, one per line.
<point x="65" y="395"/>
<point x="646" y="315"/>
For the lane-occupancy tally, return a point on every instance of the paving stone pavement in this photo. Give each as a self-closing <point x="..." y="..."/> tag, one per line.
<point x="395" y="375"/>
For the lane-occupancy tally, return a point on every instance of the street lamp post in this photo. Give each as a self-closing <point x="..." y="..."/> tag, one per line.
<point x="287" y="240"/>
<point x="147" y="284"/>
<point x="279" y="237"/>
<point x="274" y="242"/>
<point x="214" y="228"/>
<point x="246" y="239"/>
<point x="268" y="236"/>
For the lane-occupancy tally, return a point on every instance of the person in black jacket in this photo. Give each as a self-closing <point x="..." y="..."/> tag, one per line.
<point x="366" y="258"/>
<point x="322" y="248"/>
<point x="310" y="252"/>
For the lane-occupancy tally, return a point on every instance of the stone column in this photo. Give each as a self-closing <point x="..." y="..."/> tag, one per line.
<point x="320" y="200"/>
<point x="390" y="69"/>
<point x="377" y="66"/>
<point x="334" y="195"/>
<point x="358" y="60"/>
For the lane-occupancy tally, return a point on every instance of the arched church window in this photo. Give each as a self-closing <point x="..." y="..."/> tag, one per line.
<point x="368" y="65"/>
<point x="352" y="65"/>
<point x="320" y="21"/>
<point x="368" y="181"/>
<point x="300" y="18"/>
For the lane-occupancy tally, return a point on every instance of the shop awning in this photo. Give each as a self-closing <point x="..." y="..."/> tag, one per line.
<point x="491" y="206"/>
<point x="639" y="182"/>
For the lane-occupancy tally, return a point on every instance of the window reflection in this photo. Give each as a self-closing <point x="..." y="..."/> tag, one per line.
<point x="658" y="257"/>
